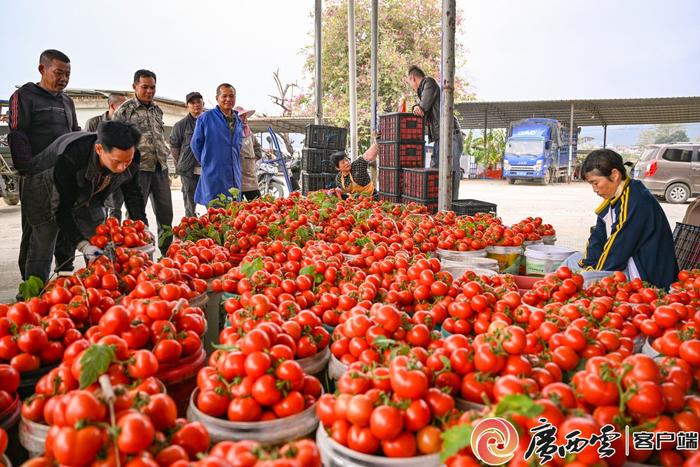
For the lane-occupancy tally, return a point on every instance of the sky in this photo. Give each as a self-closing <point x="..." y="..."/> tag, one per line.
<point x="514" y="50"/>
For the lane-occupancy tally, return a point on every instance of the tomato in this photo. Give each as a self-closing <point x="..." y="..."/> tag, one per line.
<point x="362" y="440"/>
<point x="33" y="340"/>
<point x="291" y="404"/>
<point x="257" y="363"/>
<point x="143" y="364"/>
<point x="162" y="411"/>
<point x="428" y="440"/>
<point x="648" y="400"/>
<point x="171" y="454"/>
<point x="417" y="415"/>
<point x="690" y="351"/>
<point x="386" y="422"/>
<point x="265" y="390"/>
<point x="84" y="406"/>
<point x="244" y="409"/>
<point x="75" y="447"/>
<point x="359" y="410"/>
<point x="194" y="437"/>
<point x="9" y="378"/>
<point x="403" y="445"/>
<point x="411" y="384"/>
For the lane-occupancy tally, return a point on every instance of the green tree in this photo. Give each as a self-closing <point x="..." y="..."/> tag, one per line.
<point x="474" y="146"/>
<point x="409" y="33"/>
<point x="663" y="134"/>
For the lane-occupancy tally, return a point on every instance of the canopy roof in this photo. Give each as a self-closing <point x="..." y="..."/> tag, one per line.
<point x="587" y="112"/>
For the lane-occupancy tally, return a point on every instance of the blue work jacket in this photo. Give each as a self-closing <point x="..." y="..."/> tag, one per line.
<point x="217" y="148"/>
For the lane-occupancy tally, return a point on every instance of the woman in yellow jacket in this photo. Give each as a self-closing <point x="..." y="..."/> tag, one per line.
<point x="353" y="178"/>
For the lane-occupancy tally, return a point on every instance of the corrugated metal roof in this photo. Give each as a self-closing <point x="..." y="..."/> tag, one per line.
<point x="587" y="112"/>
<point x="73" y="92"/>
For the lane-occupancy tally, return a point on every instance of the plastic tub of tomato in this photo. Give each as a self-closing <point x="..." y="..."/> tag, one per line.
<point x="180" y="379"/>
<point x="481" y="263"/>
<point x="10" y="415"/>
<point x="453" y="255"/>
<point x="334" y="453"/>
<point x="336" y="368"/>
<point x="458" y="272"/>
<point x="508" y="257"/>
<point x="32" y="436"/>
<point x="268" y="432"/>
<point x="316" y="364"/>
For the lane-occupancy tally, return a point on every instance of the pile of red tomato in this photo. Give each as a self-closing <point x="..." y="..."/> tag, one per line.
<point x="130" y="234"/>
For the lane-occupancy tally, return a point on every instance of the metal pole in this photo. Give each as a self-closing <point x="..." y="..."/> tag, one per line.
<point x="447" y="104"/>
<point x="374" y="86"/>
<point x="486" y="129"/>
<point x="318" y="94"/>
<point x="353" y="78"/>
<point x="571" y="144"/>
<point x="373" y="70"/>
<point x="605" y="136"/>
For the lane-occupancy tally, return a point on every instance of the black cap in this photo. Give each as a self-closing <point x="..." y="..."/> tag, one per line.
<point x="191" y="96"/>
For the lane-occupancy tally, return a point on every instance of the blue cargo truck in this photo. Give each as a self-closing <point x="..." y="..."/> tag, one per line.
<point x="537" y="149"/>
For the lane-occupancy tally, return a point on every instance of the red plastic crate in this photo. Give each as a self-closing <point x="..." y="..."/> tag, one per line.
<point x="401" y="155"/>
<point x="390" y="180"/>
<point x="421" y="183"/>
<point x="431" y="204"/>
<point x="400" y="127"/>
<point x="389" y="197"/>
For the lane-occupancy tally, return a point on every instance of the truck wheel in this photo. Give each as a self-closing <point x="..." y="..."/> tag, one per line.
<point x="547" y="178"/>
<point x="511" y="181"/>
<point x="677" y="193"/>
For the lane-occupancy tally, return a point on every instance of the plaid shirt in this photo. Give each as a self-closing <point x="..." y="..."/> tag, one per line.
<point x="359" y="170"/>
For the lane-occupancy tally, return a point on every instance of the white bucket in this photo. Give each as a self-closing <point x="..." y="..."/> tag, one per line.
<point x="277" y="431"/>
<point x="549" y="239"/>
<point x="336" y="368"/>
<point x="481" y="263"/>
<point x="316" y="364"/>
<point x="591" y="277"/>
<point x="335" y="454"/>
<point x="543" y="259"/>
<point x="647" y="349"/>
<point x="460" y="256"/>
<point x="32" y="437"/>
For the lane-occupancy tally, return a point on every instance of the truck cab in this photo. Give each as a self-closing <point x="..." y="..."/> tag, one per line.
<point x="536" y="150"/>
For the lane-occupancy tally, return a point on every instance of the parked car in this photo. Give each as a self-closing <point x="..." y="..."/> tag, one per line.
<point x="671" y="171"/>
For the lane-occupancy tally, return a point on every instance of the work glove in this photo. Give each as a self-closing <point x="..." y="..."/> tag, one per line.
<point x="151" y="237"/>
<point x="91" y="252"/>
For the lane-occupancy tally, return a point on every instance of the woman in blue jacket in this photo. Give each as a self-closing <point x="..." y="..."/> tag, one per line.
<point x="216" y="143"/>
<point x="632" y="233"/>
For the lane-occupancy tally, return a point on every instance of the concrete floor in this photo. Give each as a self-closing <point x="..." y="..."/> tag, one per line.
<point x="569" y="208"/>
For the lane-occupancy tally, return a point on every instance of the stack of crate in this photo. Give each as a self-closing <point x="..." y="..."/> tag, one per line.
<point x="318" y="171"/>
<point x="402" y="177"/>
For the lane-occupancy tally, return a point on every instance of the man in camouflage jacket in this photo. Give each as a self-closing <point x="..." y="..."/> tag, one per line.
<point x="153" y="177"/>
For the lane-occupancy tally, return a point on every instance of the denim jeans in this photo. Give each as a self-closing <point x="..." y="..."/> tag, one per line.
<point x="44" y="242"/>
<point x="189" y="185"/>
<point x="457" y="143"/>
<point x="156" y="187"/>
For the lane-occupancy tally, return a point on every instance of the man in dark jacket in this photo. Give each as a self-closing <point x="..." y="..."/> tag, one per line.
<point x="115" y="202"/>
<point x="70" y="181"/>
<point x="186" y="164"/>
<point x="40" y="113"/>
<point x="428" y="107"/>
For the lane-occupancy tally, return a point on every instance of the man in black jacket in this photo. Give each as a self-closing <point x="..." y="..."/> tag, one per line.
<point x="186" y="164"/>
<point x="40" y="113"/>
<point x="428" y="108"/>
<point x="70" y="181"/>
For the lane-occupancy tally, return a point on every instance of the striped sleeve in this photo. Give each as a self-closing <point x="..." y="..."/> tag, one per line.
<point x="630" y="228"/>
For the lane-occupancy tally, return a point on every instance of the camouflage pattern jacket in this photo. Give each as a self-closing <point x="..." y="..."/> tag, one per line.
<point x="149" y="120"/>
